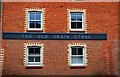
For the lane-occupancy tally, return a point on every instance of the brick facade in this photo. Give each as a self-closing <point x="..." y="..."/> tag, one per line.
<point x="101" y="54"/>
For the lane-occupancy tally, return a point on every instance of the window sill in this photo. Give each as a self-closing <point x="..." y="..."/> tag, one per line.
<point x="76" y="30"/>
<point x="33" y="67"/>
<point x="72" y="67"/>
<point x="34" y="30"/>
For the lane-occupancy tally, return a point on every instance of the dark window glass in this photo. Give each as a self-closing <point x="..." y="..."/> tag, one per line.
<point x="76" y="25"/>
<point x="73" y="25"/>
<point x="38" y="24"/>
<point x="74" y="52"/>
<point x="37" y="51"/>
<point x="30" y="59"/>
<point x="80" y="51"/>
<point x="79" y="24"/>
<point x="31" y="50"/>
<point x="77" y="50"/>
<point x="34" y="50"/>
<point x="35" y="24"/>
<point x="37" y="59"/>
<point x="32" y="24"/>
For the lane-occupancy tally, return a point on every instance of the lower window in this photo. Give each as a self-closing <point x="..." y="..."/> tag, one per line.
<point x="77" y="56"/>
<point x="34" y="56"/>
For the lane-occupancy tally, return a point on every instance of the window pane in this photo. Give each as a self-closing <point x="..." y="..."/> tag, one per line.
<point x="80" y="51"/>
<point x="79" y="18"/>
<point x="38" y="24"/>
<point x="73" y="18"/>
<point x="73" y="25"/>
<point x="79" y="24"/>
<point x="74" y="52"/>
<point x="32" y="15"/>
<point x="76" y="16"/>
<point x="38" y="16"/>
<point x="76" y="13"/>
<point x="34" y="50"/>
<point x="37" y="59"/>
<point x="32" y="24"/>
<point x="76" y="25"/>
<point x="37" y="51"/>
<point x="80" y="60"/>
<point x="30" y="59"/>
<point x="76" y="60"/>
<point x="35" y="15"/>
<point x="31" y="50"/>
<point x="35" y="24"/>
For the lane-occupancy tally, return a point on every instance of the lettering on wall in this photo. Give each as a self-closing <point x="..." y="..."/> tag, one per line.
<point x="54" y="36"/>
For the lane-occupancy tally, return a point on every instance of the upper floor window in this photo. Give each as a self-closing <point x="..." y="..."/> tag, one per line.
<point x="77" y="20"/>
<point x="35" y="20"/>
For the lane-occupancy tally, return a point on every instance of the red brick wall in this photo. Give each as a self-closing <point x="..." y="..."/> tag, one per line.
<point x="102" y="54"/>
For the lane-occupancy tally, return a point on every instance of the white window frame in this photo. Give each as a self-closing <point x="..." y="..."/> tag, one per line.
<point x="35" y="20"/>
<point x="32" y="63"/>
<point x="77" y="56"/>
<point x="76" y="21"/>
<point x="85" y="61"/>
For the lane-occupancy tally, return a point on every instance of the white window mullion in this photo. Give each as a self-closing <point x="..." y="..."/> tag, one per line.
<point x="76" y="21"/>
<point x="27" y="55"/>
<point x="82" y="17"/>
<point x="34" y="20"/>
<point x="34" y="55"/>
<point x="76" y="55"/>
<point x="41" y="20"/>
<point x="84" y="56"/>
<point x="40" y="58"/>
<point x="70" y="20"/>
<point x="28" y="23"/>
